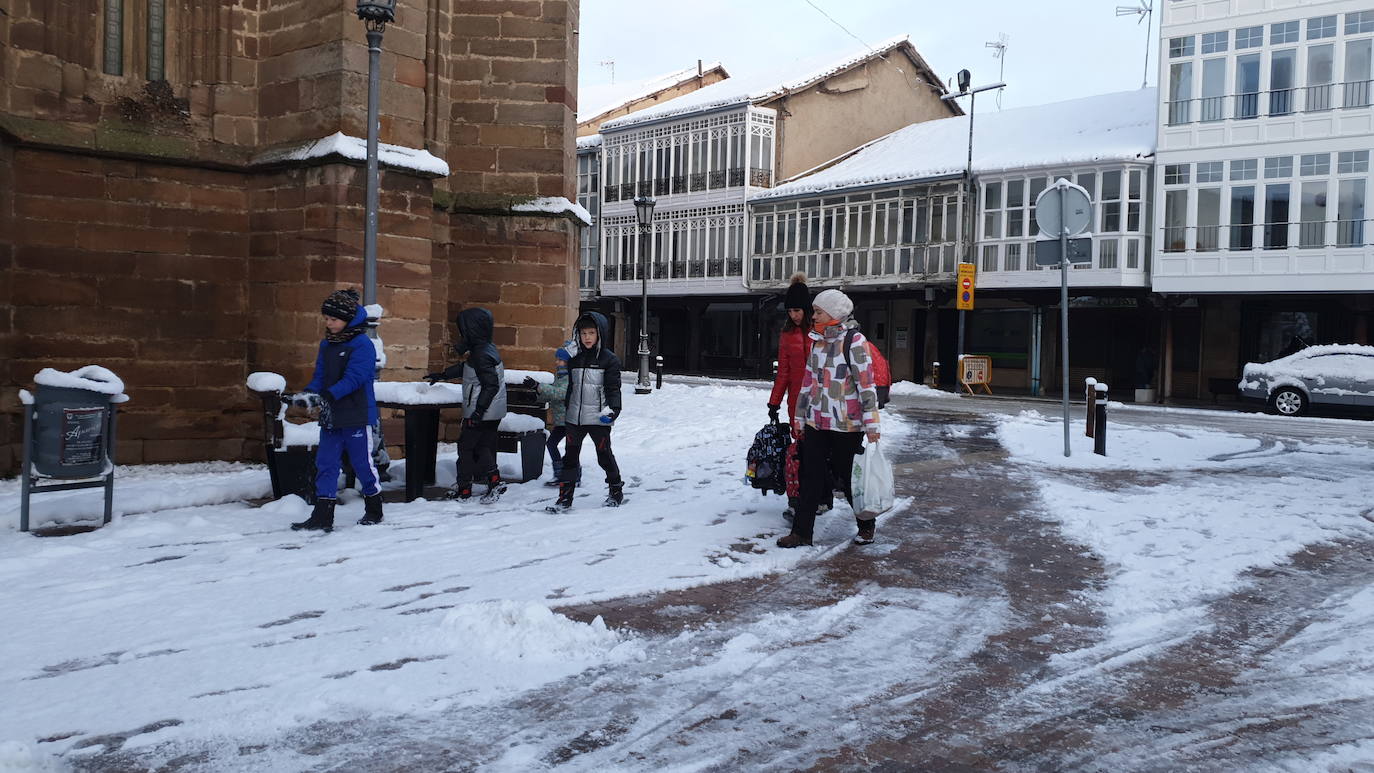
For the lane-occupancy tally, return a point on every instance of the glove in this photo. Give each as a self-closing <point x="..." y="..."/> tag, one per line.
<point x="530" y="382"/>
<point x="610" y="417"/>
<point x="773" y="412"/>
<point x="472" y="421"/>
<point x="307" y="400"/>
<point x="433" y="377"/>
<point x="571" y="348"/>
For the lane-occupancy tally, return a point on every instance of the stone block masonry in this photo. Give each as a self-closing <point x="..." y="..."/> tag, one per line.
<point x="141" y="228"/>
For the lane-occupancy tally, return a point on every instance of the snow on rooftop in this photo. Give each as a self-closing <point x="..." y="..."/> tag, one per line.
<point x="753" y="88"/>
<point x="590" y="141"/>
<point x="604" y="97"/>
<point x="556" y="205"/>
<point x="355" y="149"/>
<point x="1108" y="127"/>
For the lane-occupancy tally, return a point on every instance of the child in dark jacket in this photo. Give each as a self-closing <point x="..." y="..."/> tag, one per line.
<point x="341" y="389"/>
<point x="592" y="406"/>
<point x="484" y="404"/>
<point x="556" y="395"/>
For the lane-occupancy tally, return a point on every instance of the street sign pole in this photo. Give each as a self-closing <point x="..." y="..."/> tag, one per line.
<point x="1064" y="306"/>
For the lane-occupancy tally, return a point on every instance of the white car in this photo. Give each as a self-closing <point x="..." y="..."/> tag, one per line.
<point x="1335" y="374"/>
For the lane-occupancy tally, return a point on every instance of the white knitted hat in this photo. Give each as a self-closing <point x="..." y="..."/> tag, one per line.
<point x="834" y="303"/>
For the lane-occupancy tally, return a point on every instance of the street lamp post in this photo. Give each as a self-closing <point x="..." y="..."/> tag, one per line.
<point x="970" y="221"/>
<point x="375" y="14"/>
<point x="644" y="211"/>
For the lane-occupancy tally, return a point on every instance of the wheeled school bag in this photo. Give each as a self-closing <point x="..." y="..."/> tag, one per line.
<point x="767" y="458"/>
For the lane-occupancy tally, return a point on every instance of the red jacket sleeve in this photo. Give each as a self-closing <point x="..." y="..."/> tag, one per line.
<point x="791" y="368"/>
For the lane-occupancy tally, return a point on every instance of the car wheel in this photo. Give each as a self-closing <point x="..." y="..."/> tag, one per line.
<point x="1288" y="401"/>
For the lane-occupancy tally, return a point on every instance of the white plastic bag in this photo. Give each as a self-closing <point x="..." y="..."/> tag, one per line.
<point x="872" y="483"/>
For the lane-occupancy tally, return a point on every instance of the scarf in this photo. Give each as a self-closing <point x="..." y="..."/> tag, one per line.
<point x="347" y="334"/>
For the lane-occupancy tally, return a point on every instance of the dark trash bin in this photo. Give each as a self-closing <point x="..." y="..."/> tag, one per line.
<point x="69" y="435"/>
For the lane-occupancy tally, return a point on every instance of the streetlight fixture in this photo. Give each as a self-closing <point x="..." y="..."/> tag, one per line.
<point x="965" y="79"/>
<point x="644" y="211"/>
<point x="375" y="14"/>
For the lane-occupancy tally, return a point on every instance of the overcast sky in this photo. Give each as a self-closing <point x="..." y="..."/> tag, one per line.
<point x="1057" y="49"/>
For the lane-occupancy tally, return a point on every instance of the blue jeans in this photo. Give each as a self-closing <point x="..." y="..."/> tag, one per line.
<point x="334" y="443"/>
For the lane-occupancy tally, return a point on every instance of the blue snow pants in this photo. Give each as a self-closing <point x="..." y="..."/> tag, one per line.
<point x="334" y="443"/>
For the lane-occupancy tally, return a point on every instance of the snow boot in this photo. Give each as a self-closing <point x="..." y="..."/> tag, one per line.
<point x="321" y="518"/>
<point x="866" y="531"/>
<point x="372" y="510"/>
<point x="495" y="488"/>
<point x="615" y="496"/>
<point x="565" y="499"/>
<point x="459" y="491"/>
<point x="792" y="541"/>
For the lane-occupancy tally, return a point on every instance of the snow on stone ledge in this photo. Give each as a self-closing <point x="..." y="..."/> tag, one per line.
<point x="555" y="205"/>
<point x="519" y="422"/>
<point x="266" y="381"/>
<point x="518" y="376"/>
<point x="92" y="378"/>
<point x="417" y="392"/>
<point x="355" y="149"/>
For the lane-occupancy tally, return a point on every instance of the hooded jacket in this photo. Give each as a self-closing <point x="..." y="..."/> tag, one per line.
<point x="484" y="374"/>
<point x="831" y="397"/>
<point x="344" y="372"/>
<point x="792" y="348"/>
<point x="593" y="375"/>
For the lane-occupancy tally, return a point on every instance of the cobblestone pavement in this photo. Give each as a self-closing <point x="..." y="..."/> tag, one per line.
<point x="988" y="697"/>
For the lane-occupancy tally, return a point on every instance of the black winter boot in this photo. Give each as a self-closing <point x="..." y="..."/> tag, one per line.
<point x="321" y="518"/>
<point x="372" y="510"/>
<point x="461" y="491"/>
<point x="565" y="498"/>
<point x="615" y="496"/>
<point x="495" y="488"/>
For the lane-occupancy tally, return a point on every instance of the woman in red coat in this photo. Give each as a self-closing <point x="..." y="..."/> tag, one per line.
<point x="793" y="348"/>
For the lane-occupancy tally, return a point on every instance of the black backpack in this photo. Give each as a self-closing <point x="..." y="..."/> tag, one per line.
<point x="767" y="458"/>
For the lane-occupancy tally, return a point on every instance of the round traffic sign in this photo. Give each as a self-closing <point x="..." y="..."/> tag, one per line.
<point x="1075" y="214"/>
<point x="967" y="296"/>
<point x="967" y="283"/>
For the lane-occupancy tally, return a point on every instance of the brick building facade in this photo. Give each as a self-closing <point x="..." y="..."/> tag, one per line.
<point x="161" y="214"/>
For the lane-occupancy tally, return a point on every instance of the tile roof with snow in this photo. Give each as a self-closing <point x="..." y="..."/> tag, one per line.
<point x="739" y="90"/>
<point x="1108" y="127"/>
<point x="605" y="97"/>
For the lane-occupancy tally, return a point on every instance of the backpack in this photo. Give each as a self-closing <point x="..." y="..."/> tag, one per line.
<point x="767" y="457"/>
<point x="882" y="374"/>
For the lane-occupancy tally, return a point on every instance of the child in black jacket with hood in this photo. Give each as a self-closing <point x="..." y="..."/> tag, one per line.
<point x="484" y="403"/>
<point x="593" y="405"/>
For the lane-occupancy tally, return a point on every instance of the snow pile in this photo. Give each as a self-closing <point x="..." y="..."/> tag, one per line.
<point x="512" y="631"/>
<point x="304" y="434"/>
<point x="589" y="142"/>
<point x="355" y="149"/>
<point x="556" y="205"/>
<point x="518" y="422"/>
<point x="1105" y="128"/>
<point x="25" y="397"/>
<point x="519" y="376"/>
<point x="417" y="392"/>
<point x="92" y="378"/>
<point x="739" y="90"/>
<point x="21" y="757"/>
<point x="912" y="389"/>
<point x="1040" y="441"/>
<point x="266" y="381"/>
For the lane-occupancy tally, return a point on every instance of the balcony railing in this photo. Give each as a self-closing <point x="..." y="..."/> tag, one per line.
<point x="612" y="193"/>
<point x="668" y="270"/>
<point x="661" y="186"/>
<point x="760" y="178"/>
<point x="680" y="183"/>
<point x="1276" y="102"/>
<point x="1311" y="235"/>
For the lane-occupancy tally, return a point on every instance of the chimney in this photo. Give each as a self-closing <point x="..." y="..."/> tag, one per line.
<point x="699" y="72"/>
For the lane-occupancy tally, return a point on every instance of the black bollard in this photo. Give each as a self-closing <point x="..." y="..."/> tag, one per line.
<point x="1090" y="396"/>
<point x="658" y="367"/>
<point x="935" y="375"/>
<point x="1100" y="431"/>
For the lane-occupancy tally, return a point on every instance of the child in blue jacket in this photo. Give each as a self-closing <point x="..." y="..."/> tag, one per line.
<point x="342" y="391"/>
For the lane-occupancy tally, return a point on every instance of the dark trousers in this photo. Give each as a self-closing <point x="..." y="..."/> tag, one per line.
<point x="827" y="458"/>
<point x="572" y="458"/>
<point x="556" y="436"/>
<point x="477" y="452"/>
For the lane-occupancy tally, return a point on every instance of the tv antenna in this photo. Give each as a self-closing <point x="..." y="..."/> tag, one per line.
<point x="1146" y="13"/>
<point x="999" y="52"/>
<point x="610" y="65"/>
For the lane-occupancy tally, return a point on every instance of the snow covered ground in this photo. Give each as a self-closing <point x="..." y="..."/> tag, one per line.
<point x="196" y="616"/>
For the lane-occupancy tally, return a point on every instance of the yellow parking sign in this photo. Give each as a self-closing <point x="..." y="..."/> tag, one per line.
<point x="965" y="286"/>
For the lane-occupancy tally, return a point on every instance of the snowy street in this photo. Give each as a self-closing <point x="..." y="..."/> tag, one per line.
<point x="1201" y="598"/>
